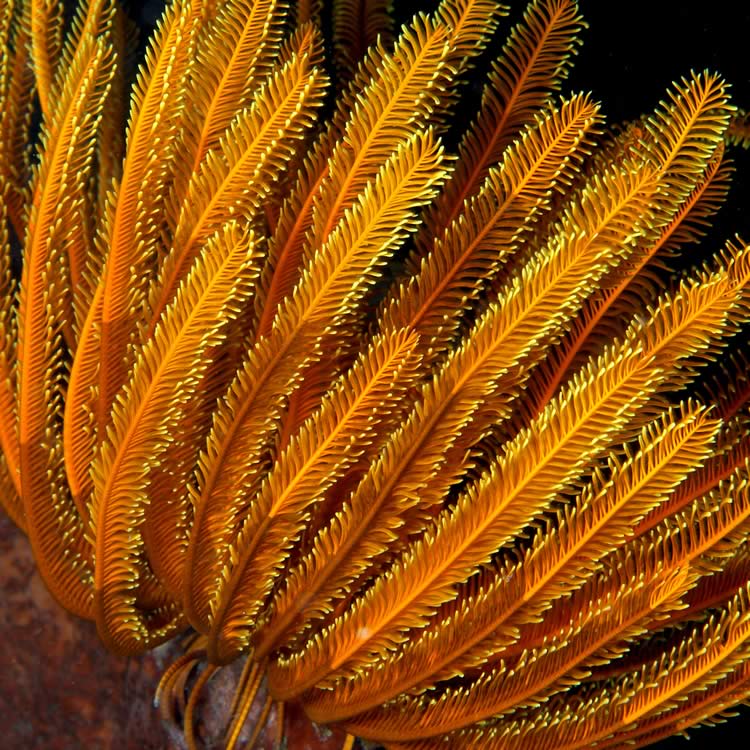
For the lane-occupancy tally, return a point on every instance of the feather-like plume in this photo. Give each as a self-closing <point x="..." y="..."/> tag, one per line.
<point x="132" y="229"/>
<point x="145" y="413"/>
<point x="45" y="304"/>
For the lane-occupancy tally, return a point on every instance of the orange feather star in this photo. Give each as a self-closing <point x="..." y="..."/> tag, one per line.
<point x="493" y="497"/>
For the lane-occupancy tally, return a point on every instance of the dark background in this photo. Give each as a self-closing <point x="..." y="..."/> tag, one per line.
<point x="632" y="51"/>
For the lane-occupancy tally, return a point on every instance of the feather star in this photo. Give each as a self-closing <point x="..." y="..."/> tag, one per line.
<point x="432" y="441"/>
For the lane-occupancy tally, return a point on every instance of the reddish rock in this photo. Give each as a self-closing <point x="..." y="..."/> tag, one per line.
<point x="61" y="690"/>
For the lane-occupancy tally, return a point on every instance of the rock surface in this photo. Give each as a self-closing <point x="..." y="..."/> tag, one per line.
<point x="61" y="690"/>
